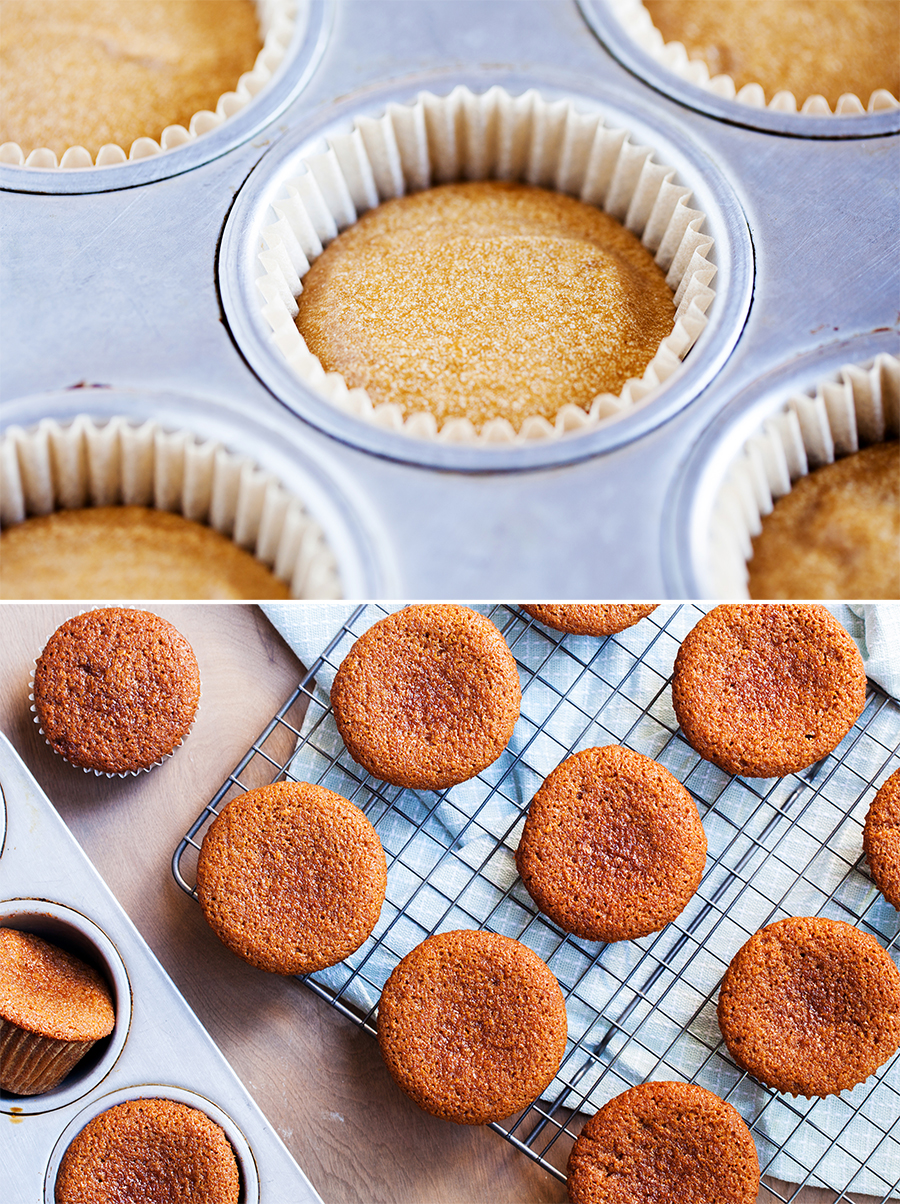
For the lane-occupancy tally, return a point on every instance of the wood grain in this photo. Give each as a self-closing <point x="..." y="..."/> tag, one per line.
<point x="317" y="1077"/>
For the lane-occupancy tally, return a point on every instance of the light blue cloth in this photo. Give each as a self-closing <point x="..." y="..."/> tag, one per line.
<point x="776" y="848"/>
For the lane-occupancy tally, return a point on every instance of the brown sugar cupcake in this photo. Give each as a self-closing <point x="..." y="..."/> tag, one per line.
<point x="116" y="690"/>
<point x="589" y="618"/>
<point x="427" y="697"/>
<point x="764" y="691"/>
<point x="472" y="1026"/>
<point x="149" y="1150"/>
<point x="664" y="1141"/>
<point x="881" y="839"/>
<point x="613" y="847"/>
<point x="53" y="1009"/>
<point x="836" y="534"/>
<point x="291" y="877"/>
<point x="811" y="1006"/>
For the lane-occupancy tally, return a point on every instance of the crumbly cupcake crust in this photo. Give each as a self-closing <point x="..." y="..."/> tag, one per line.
<point x="764" y="691"/>
<point x="155" y="1150"/>
<point x="589" y="618"/>
<point x="836" y="534"/>
<point x="613" y="847"/>
<point x="811" y="1006"/>
<point x="664" y="1141"/>
<point x="488" y="299"/>
<point x="53" y="1008"/>
<point x="291" y="877"/>
<point x="427" y="697"/>
<point x="116" y="690"/>
<point x="472" y="1025"/>
<point x="881" y="839"/>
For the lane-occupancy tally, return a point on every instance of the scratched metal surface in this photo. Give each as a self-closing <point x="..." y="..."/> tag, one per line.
<point x="122" y="288"/>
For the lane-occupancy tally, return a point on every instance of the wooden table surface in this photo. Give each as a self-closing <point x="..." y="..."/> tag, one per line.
<point x="317" y="1077"/>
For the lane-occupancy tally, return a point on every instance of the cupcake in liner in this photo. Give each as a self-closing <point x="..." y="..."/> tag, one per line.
<point x="84" y="463"/>
<point x="859" y="405"/>
<point x="467" y="136"/>
<point x="276" y="20"/>
<point x="87" y="727"/>
<point x="638" y="24"/>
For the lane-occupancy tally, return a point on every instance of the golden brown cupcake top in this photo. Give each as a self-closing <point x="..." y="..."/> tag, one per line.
<point x="291" y="877"/>
<point x="664" y="1142"/>
<point x="613" y="847"/>
<point x="484" y="300"/>
<point x="92" y="72"/>
<point x="767" y="690"/>
<point x="472" y="1025"/>
<point x="50" y="992"/>
<point x="589" y="618"/>
<point x="428" y="696"/>
<point x="808" y="47"/>
<point x="881" y="839"/>
<point x="152" y="1150"/>
<point x="115" y="690"/>
<point x="811" y="1006"/>
<point x="836" y="534"/>
<point x="128" y="552"/>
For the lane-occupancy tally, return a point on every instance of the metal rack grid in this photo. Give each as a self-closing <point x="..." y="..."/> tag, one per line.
<point x="641" y="1009"/>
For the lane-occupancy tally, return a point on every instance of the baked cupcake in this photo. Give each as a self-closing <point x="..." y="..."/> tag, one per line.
<point x="53" y="1009"/>
<point x="82" y="82"/>
<point x="764" y="691"/>
<point x="427" y="697"/>
<point x="811" y="1006"/>
<point x="664" y="1141"/>
<point x="149" y="1149"/>
<point x="589" y="618"/>
<point x="613" y="847"/>
<point x="291" y="877"/>
<point x="472" y="1026"/>
<point x="881" y="839"/>
<point x="116" y="690"/>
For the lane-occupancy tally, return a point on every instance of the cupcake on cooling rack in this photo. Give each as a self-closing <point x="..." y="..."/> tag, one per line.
<point x="95" y="81"/>
<point x="53" y="1009"/>
<point x="116" y="691"/>
<point x="589" y="618"/>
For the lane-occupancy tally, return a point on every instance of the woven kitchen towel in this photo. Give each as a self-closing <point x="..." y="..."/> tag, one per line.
<point x="639" y="1009"/>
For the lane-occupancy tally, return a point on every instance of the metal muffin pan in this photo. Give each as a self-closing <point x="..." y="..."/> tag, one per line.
<point x="121" y="288"/>
<point x="158" y="1048"/>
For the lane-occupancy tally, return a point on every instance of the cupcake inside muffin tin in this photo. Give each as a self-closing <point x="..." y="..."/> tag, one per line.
<point x="77" y="934"/>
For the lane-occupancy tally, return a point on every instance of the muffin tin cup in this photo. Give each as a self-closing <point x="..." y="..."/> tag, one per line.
<point x="793" y="419"/>
<point x="624" y="27"/>
<point x="283" y="69"/>
<point x="432" y="130"/>
<point x="249" y="1174"/>
<point x="77" y="934"/>
<point x="296" y="514"/>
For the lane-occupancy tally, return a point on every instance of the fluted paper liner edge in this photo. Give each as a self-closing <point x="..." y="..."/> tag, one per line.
<point x="86" y="463"/>
<point x="277" y="19"/>
<point x="637" y="23"/>
<point x="437" y="140"/>
<point x="856" y="406"/>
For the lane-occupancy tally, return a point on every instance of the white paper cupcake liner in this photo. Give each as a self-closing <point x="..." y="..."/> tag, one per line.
<point x="276" y="28"/>
<point x="636" y="21"/>
<point x="85" y="463"/>
<point x="466" y="136"/>
<point x="856" y="406"/>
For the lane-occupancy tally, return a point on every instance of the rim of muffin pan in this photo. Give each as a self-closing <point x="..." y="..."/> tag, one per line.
<point x="272" y="442"/>
<point x="75" y="933"/>
<point x="301" y="58"/>
<point x="239" y="269"/>
<point x="2" y="819"/>
<point x="246" y="1160"/>
<point x="608" y="29"/>
<point x="686" y="535"/>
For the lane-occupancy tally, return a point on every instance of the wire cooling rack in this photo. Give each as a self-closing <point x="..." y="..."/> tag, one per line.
<point x="642" y="1009"/>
